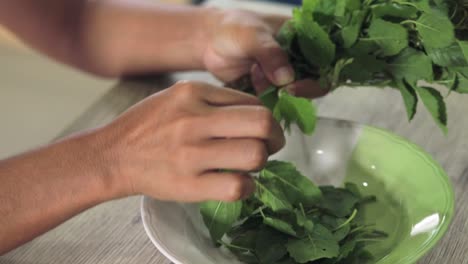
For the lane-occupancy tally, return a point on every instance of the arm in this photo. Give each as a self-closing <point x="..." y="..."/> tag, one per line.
<point x="144" y="151"/>
<point x="118" y="37"/>
<point x="42" y="188"/>
<point x="112" y="37"/>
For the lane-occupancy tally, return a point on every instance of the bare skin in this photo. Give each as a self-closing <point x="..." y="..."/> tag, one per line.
<point x="169" y="146"/>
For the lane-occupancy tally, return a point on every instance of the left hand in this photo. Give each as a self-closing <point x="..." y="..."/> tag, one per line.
<point x="243" y="42"/>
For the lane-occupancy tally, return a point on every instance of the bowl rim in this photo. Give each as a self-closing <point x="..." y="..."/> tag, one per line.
<point x="425" y="248"/>
<point x="160" y="247"/>
<point x="447" y="220"/>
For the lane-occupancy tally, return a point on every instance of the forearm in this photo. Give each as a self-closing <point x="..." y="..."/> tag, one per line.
<point x="50" y="26"/>
<point x="113" y="37"/>
<point x="137" y="36"/>
<point x="43" y="188"/>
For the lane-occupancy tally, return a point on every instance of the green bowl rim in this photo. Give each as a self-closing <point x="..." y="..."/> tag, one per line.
<point x="447" y="186"/>
<point x="425" y="248"/>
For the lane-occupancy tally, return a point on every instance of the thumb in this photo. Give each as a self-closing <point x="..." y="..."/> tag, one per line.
<point x="273" y="60"/>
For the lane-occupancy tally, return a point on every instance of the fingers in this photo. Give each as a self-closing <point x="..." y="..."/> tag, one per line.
<point x="304" y="88"/>
<point x="245" y="122"/>
<point x="273" y="60"/>
<point x="213" y="95"/>
<point x="223" y="186"/>
<point x="275" y="21"/>
<point x="273" y="66"/>
<point x="230" y="114"/>
<point x="307" y="88"/>
<point x="233" y="154"/>
<point x="259" y="80"/>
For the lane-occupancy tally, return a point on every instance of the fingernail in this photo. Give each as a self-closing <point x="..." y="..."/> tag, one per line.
<point x="291" y="89"/>
<point x="248" y="189"/>
<point x="284" y="75"/>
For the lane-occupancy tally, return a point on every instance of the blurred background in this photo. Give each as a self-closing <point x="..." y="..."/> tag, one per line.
<point x="38" y="97"/>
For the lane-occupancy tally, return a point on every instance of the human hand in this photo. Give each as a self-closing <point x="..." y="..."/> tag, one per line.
<point x="173" y="145"/>
<point x="243" y="42"/>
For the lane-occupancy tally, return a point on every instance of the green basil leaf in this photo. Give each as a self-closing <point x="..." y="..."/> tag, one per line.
<point x="436" y="30"/>
<point x="220" y="216"/>
<point x="435" y="104"/>
<point x="392" y="38"/>
<point x="320" y="244"/>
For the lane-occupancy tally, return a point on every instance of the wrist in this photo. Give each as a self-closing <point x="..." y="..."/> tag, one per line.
<point x="93" y="155"/>
<point x="122" y="38"/>
<point x="211" y="19"/>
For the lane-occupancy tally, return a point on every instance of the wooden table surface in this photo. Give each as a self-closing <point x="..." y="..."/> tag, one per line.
<point x="112" y="233"/>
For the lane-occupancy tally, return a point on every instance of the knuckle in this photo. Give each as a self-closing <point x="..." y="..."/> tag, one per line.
<point x="185" y="90"/>
<point x="282" y="141"/>
<point x="243" y="32"/>
<point x="257" y="155"/>
<point x="235" y="190"/>
<point x="184" y="187"/>
<point x="264" y="122"/>
<point x="184" y="157"/>
<point x="269" y="44"/>
<point x="280" y="58"/>
<point x="180" y="126"/>
<point x="183" y="126"/>
<point x="184" y="164"/>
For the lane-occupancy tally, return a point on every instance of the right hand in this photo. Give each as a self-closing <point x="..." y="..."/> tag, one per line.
<point x="173" y="145"/>
<point x="243" y="42"/>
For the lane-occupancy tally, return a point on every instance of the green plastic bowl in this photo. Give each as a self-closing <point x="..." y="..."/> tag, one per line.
<point x="415" y="198"/>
